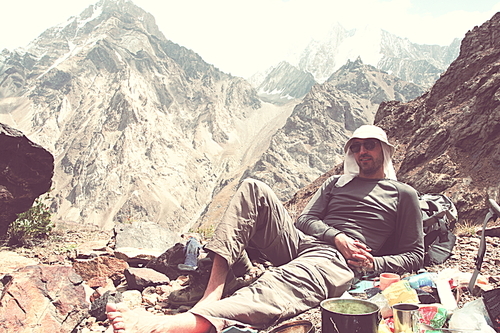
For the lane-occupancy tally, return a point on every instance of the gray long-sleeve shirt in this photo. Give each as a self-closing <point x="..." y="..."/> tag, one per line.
<point x="383" y="214"/>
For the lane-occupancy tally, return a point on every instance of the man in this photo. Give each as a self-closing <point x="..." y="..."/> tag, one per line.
<point x="364" y="221"/>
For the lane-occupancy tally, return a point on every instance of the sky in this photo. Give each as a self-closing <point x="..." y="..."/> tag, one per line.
<point x="242" y="37"/>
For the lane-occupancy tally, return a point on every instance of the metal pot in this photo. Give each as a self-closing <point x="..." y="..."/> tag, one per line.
<point x="298" y="326"/>
<point x="340" y="315"/>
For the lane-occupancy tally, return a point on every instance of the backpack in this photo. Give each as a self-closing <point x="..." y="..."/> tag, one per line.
<point x="439" y="216"/>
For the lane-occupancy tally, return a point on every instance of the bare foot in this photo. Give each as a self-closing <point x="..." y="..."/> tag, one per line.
<point x="124" y="320"/>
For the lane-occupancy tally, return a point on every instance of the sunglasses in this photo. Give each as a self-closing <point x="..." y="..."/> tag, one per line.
<point x="369" y="144"/>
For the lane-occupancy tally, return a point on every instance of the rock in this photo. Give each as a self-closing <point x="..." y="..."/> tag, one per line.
<point x="99" y="291"/>
<point x="494" y="279"/>
<point x="26" y="171"/>
<point x="136" y="257"/>
<point x="150" y="296"/>
<point x="43" y="299"/>
<point x="92" y="249"/>
<point x="98" y="307"/>
<point x="144" y="235"/>
<point x="288" y="80"/>
<point x="100" y="282"/>
<point x="491" y="231"/>
<point x="132" y="298"/>
<point x="167" y="262"/>
<point x="96" y="271"/>
<point x="140" y="278"/>
<point x="11" y="261"/>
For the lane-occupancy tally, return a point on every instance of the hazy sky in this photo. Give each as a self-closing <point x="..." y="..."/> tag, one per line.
<point x="243" y="36"/>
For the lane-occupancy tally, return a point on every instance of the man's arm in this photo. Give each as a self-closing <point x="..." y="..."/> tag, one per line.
<point x="310" y="220"/>
<point x="311" y="223"/>
<point x="408" y="240"/>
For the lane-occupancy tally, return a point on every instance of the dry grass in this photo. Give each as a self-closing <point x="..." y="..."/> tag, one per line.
<point x="466" y="229"/>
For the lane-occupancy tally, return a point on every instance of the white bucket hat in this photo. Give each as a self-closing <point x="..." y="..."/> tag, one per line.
<point x="351" y="168"/>
<point x="369" y="132"/>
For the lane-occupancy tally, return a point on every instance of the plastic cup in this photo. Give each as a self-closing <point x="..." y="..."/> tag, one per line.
<point x="386" y="279"/>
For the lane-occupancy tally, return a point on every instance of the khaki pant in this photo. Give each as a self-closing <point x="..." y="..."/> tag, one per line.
<point x="306" y="270"/>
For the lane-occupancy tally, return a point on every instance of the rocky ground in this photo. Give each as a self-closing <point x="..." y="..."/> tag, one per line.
<point x="61" y="248"/>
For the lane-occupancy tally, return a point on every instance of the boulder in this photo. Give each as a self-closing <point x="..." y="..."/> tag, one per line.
<point x="98" y="307"/>
<point x="144" y="235"/>
<point x="96" y="271"/>
<point x="11" y="261"/>
<point x="26" y="171"/>
<point x="167" y="262"/>
<point x="136" y="257"/>
<point x="140" y="278"/>
<point x="92" y="249"/>
<point x="42" y="298"/>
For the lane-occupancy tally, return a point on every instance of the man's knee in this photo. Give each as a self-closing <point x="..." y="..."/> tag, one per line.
<point x="253" y="183"/>
<point x="258" y="188"/>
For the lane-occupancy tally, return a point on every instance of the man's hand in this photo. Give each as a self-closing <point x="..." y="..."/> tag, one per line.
<point x="356" y="253"/>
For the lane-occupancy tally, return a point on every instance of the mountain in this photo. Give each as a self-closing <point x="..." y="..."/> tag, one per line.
<point x="419" y="64"/>
<point x="285" y="82"/>
<point x="370" y="83"/>
<point x="312" y="139"/>
<point x="450" y="136"/>
<point x="448" y="140"/>
<point x="141" y="128"/>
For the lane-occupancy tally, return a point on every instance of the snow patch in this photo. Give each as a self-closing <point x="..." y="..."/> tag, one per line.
<point x="119" y="56"/>
<point x="73" y="49"/>
<point x="95" y="14"/>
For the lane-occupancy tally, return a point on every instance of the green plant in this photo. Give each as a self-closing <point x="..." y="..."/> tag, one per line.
<point x="66" y="248"/>
<point x="34" y="223"/>
<point x="206" y="232"/>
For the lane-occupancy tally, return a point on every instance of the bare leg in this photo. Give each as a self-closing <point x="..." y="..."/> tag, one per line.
<point x="124" y="320"/>
<point x="215" y="286"/>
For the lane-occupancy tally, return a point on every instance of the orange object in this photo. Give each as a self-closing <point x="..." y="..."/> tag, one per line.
<point x="386" y="279"/>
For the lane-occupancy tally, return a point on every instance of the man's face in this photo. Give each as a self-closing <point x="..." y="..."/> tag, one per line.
<point x="369" y="157"/>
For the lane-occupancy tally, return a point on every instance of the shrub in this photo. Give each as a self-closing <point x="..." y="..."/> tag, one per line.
<point x="34" y="223"/>
<point x="205" y="232"/>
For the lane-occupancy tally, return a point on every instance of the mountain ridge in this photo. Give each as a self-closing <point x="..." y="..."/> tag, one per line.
<point x="144" y="129"/>
<point x="141" y="128"/>
<point x="416" y="63"/>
